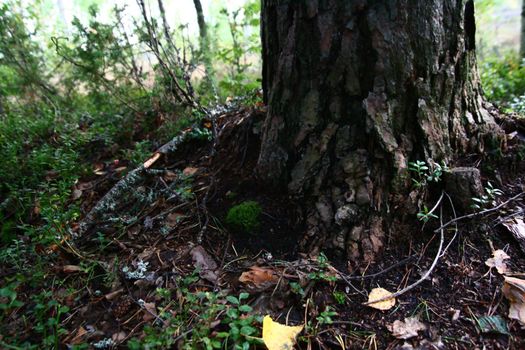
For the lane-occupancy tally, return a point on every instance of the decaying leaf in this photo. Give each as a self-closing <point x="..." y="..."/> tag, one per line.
<point x="498" y="261"/>
<point x="516" y="226"/>
<point x="278" y="336"/>
<point x="150" y="311"/>
<point x="112" y="295"/>
<point x="259" y="276"/>
<point x="173" y="219"/>
<point x="514" y="291"/>
<point x="190" y="171"/>
<point x="119" y="337"/>
<point x="71" y="269"/>
<point x="407" y="329"/>
<point x="379" y="293"/>
<point x="76" y="194"/>
<point x="205" y="263"/>
<point x="78" y="336"/>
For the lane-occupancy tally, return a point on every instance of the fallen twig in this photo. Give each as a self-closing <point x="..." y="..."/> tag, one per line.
<point x="429" y="271"/>
<point x="480" y="213"/>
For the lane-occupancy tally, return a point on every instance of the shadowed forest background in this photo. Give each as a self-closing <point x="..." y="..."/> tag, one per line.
<point x="93" y="91"/>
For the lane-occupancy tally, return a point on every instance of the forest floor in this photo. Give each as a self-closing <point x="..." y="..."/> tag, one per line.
<point x="157" y="267"/>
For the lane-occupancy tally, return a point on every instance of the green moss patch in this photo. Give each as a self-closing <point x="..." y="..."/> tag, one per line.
<point x="244" y="216"/>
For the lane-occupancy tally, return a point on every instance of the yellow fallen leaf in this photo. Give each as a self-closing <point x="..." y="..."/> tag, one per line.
<point x="379" y="293"/>
<point x="277" y="336"/>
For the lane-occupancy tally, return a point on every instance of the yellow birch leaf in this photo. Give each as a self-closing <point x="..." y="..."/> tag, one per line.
<point x="379" y="293"/>
<point x="277" y="336"/>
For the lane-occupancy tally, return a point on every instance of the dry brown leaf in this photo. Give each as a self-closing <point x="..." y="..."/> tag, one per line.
<point x="118" y="337"/>
<point x="114" y="294"/>
<point x="498" y="261"/>
<point x="205" y="263"/>
<point x="514" y="291"/>
<point x="379" y="293"/>
<point x="259" y="277"/>
<point x="37" y="209"/>
<point x="76" y="194"/>
<point x="78" y="336"/>
<point x="170" y="176"/>
<point x="150" y="311"/>
<point x="71" y="269"/>
<point x="190" y="171"/>
<point x="406" y="329"/>
<point x="173" y="219"/>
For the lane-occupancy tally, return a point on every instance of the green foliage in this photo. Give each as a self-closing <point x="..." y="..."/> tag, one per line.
<point x="8" y="299"/>
<point x="339" y="297"/>
<point x="22" y="71"/>
<point x="425" y="214"/>
<point x="487" y="199"/>
<point x="236" y="325"/>
<point x="242" y="53"/>
<point x="322" y="272"/>
<point x="425" y="173"/>
<point x="503" y="79"/>
<point x="325" y="317"/>
<point x="244" y="216"/>
<point x="48" y="313"/>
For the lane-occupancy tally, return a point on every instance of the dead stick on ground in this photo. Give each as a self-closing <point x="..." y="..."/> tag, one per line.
<point x="429" y="271"/>
<point x="481" y="213"/>
<point x="424" y="277"/>
<point x="440" y="229"/>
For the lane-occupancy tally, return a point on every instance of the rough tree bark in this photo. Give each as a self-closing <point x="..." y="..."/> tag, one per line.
<point x="355" y="90"/>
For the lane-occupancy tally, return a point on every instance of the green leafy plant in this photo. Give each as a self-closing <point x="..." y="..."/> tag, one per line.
<point x="297" y="289"/>
<point x="48" y="313"/>
<point x="425" y="173"/>
<point x="8" y="299"/>
<point x="322" y="272"/>
<point x="214" y="320"/>
<point x="487" y="199"/>
<point x="244" y="217"/>
<point x="325" y="317"/>
<point x="425" y="215"/>
<point x="503" y="79"/>
<point x="339" y="297"/>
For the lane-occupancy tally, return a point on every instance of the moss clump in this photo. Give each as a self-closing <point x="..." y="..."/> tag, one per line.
<point x="244" y="216"/>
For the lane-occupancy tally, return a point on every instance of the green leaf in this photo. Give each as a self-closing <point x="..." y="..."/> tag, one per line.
<point x="493" y="324"/>
<point x="232" y="299"/>
<point x="245" y="308"/>
<point x="248" y="330"/>
<point x="232" y="313"/>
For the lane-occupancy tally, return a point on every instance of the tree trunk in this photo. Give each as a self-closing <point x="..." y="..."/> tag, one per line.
<point x="204" y="44"/>
<point x="355" y="90"/>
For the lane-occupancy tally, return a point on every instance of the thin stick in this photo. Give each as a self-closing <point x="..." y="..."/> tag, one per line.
<point x="425" y="276"/>
<point x="483" y="212"/>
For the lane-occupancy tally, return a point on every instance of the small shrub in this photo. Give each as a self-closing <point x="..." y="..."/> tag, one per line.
<point x="245" y="216"/>
<point x="503" y="79"/>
